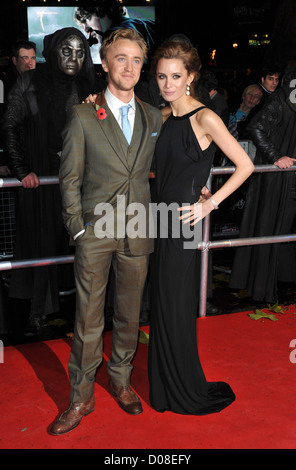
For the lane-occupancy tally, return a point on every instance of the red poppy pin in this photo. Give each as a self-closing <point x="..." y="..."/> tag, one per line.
<point x="101" y="112"/>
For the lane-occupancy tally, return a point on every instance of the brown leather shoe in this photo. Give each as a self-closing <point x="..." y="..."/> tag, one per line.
<point x="127" y="399"/>
<point x="72" y="416"/>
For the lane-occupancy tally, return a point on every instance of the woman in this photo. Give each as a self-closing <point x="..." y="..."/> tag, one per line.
<point x="184" y="156"/>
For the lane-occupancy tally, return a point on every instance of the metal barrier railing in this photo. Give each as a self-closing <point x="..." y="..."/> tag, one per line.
<point x="205" y="245"/>
<point x="13" y="182"/>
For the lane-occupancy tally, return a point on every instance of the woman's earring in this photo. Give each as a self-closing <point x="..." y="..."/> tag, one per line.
<point x="188" y="90"/>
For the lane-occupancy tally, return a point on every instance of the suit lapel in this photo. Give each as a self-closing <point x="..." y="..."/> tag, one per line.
<point x="114" y="134"/>
<point x="140" y="133"/>
<point x="112" y="130"/>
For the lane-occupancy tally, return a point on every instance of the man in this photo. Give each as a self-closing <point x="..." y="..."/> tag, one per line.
<point x="22" y="59"/>
<point x="97" y="166"/>
<point x="98" y="21"/>
<point x="24" y="56"/>
<point x="269" y="80"/>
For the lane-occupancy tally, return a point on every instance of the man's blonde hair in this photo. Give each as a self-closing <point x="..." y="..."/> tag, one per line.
<point x="123" y="33"/>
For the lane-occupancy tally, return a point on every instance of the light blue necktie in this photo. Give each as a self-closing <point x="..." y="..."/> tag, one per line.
<point x="126" y="127"/>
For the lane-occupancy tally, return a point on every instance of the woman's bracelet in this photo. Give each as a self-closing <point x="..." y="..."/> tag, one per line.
<point x="214" y="204"/>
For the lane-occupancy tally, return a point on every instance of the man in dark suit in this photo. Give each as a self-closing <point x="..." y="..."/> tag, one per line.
<point x="99" y="168"/>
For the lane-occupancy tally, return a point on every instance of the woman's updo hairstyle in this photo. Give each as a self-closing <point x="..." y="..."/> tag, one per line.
<point x="179" y="47"/>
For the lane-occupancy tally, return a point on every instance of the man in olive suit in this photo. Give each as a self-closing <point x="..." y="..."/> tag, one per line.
<point x="100" y="168"/>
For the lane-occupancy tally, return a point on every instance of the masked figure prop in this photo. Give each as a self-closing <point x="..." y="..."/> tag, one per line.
<point x="32" y="128"/>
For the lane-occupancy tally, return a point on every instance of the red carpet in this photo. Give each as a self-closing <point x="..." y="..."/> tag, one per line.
<point x="252" y="356"/>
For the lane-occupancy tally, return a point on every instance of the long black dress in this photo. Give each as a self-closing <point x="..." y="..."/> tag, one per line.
<point x="177" y="381"/>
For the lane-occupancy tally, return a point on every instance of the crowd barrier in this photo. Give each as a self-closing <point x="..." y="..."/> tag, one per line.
<point x="205" y="245"/>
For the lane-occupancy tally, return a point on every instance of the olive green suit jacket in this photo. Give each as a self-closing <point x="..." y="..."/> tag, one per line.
<point x="97" y="165"/>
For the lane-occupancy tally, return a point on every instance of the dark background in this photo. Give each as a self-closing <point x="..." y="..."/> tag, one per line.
<point x="209" y="25"/>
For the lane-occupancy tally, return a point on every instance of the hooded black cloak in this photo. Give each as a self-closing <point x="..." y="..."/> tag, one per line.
<point x="269" y="200"/>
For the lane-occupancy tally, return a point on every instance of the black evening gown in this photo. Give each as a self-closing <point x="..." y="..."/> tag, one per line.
<point x="177" y="380"/>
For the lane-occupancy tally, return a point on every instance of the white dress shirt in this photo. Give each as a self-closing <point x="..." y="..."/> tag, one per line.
<point x="115" y="105"/>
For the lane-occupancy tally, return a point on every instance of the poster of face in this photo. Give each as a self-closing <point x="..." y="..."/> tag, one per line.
<point x="94" y="22"/>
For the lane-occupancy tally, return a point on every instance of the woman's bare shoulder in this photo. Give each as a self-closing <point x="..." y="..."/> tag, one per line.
<point x="207" y="117"/>
<point x="166" y="112"/>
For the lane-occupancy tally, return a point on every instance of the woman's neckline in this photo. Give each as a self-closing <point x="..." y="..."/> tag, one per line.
<point x="190" y="113"/>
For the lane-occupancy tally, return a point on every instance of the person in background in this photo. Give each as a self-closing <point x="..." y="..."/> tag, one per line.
<point x="269" y="80"/>
<point x="210" y="83"/>
<point x="238" y="120"/>
<point x="271" y="199"/>
<point x="23" y="58"/>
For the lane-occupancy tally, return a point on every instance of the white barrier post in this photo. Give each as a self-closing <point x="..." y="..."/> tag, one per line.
<point x="1" y="92"/>
<point x="204" y="261"/>
<point x="1" y="352"/>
